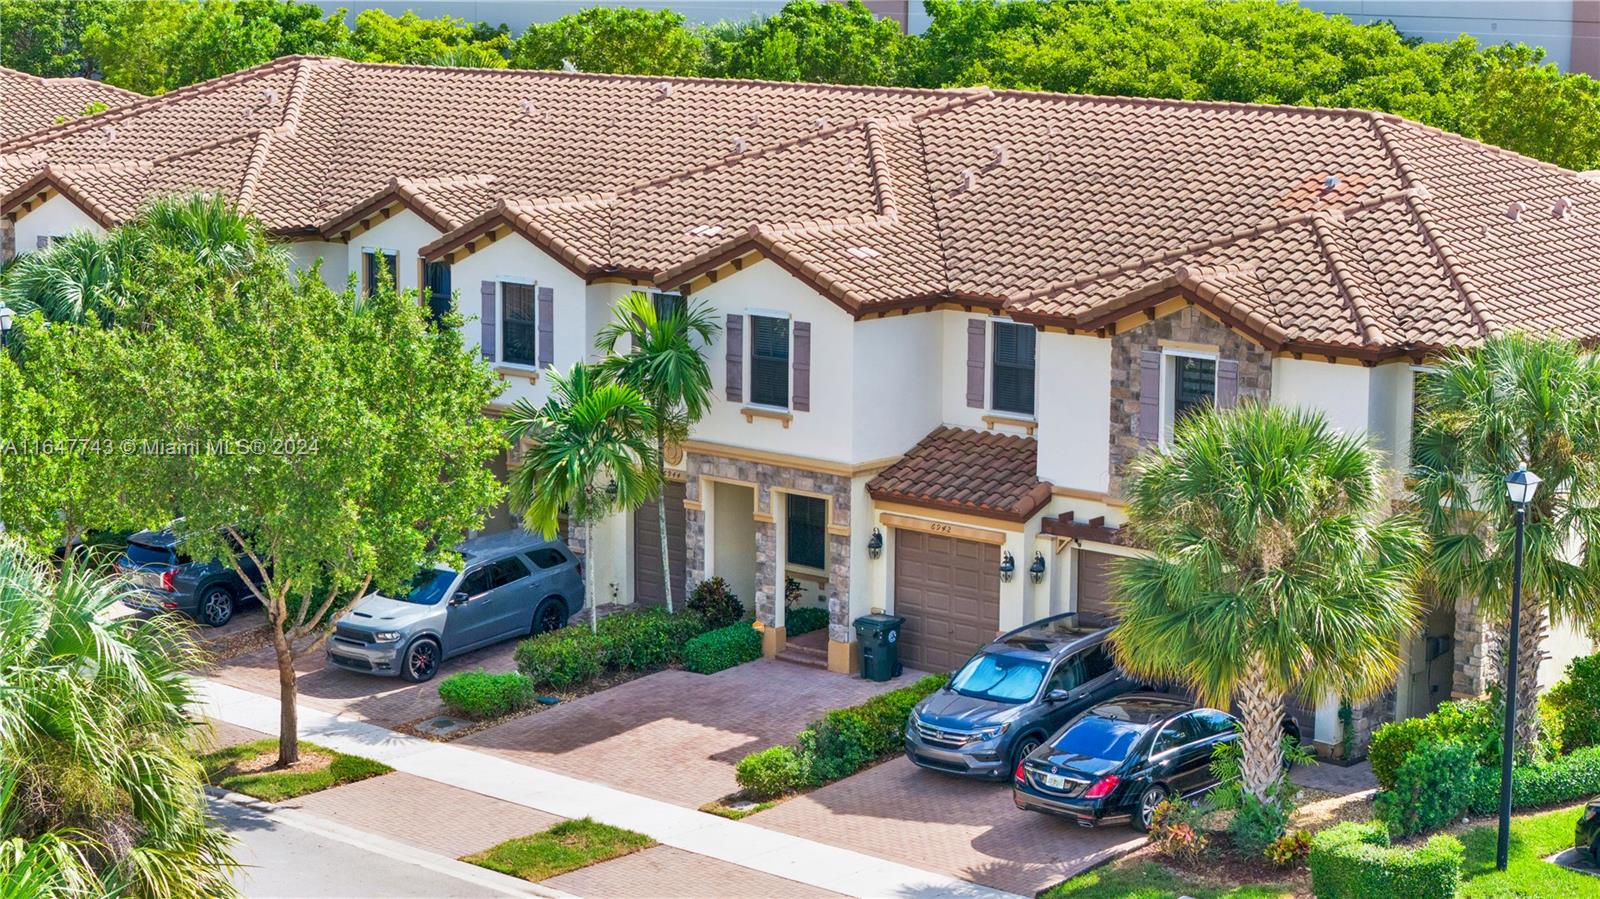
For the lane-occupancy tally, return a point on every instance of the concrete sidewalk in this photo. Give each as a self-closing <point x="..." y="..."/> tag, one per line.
<point x="803" y="861"/>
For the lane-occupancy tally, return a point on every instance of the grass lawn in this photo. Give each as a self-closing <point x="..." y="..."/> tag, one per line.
<point x="246" y="769"/>
<point x="565" y="847"/>
<point x="1528" y="875"/>
<point x="1152" y="880"/>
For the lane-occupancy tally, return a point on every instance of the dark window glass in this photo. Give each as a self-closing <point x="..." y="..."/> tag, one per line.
<point x="769" y="361"/>
<point x="439" y="300"/>
<point x="428" y="586"/>
<point x="1069" y="675"/>
<point x="1100" y="738"/>
<point x="548" y="557"/>
<point x="521" y="336"/>
<point x="808" y="531"/>
<point x="1097" y="663"/>
<point x="1178" y="733"/>
<point x="1195" y="383"/>
<point x="1211" y="723"/>
<point x="998" y="676"/>
<point x="141" y="554"/>
<point x="373" y="273"/>
<point x="1013" y="367"/>
<point x="666" y="303"/>
<point x="508" y="570"/>
<point x="478" y="581"/>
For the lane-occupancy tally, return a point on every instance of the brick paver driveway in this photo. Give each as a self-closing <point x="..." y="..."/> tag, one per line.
<point x="676" y="736"/>
<point x="963" y="828"/>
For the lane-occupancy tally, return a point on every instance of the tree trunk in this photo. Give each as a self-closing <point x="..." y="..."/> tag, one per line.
<point x="661" y="515"/>
<point x="1530" y="653"/>
<point x="288" y="694"/>
<point x="1261" y="712"/>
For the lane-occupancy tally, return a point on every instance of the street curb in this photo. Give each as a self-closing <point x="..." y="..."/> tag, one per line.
<point x="403" y="852"/>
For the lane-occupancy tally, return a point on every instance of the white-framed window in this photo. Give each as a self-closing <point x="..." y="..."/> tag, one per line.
<point x="519" y="322"/>
<point x="1012" y="366"/>
<point x="370" y="271"/>
<point x="1188" y="383"/>
<point x="769" y="354"/>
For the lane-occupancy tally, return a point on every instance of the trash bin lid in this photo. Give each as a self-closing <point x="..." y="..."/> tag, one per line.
<point x="879" y="622"/>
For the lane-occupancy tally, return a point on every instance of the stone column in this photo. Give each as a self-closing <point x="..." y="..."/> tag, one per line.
<point x="768" y="598"/>
<point x="694" y="549"/>
<point x="843" y="654"/>
<point x="1476" y="645"/>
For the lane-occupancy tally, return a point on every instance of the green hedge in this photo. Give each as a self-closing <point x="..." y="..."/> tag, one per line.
<point x="1434" y="784"/>
<point x="1570" y="710"/>
<point x="1565" y="779"/>
<point x="1355" y="861"/>
<point x="722" y="648"/>
<point x="838" y="744"/>
<point x="479" y="694"/>
<point x="804" y="620"/>
<point x="1470" y="722"/>
<point x="635" y="640"/>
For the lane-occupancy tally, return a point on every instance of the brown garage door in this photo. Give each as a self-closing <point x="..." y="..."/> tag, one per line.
<point x="1095" y="587"/>
<point x="647" y="588"/>
<point x="948" y="590"/>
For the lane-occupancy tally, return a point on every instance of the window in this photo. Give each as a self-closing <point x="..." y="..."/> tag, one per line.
<point x="1013" y="368"/>
<point x="808" y="531"/>
<point x="769" y="361"/>
<point x="494" y="575"/>
<point x="666" y="303"/>
<point x="1069" y="675"/>
<point x="1179" y="733"/>
<point x="1003" y="678"/>
<point x="1212" y="723"/>
<point x="548" y="557"/>
<point x="1191" y="384"/>
<point x="371" y="258"/>
<point x="438" y="278"/>
<point x="1097" y="662"/>
<point x="520" y="345"/>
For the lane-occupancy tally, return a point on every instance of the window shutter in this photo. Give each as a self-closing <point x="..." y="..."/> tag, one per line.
<point x="1227" y="383"/>
<point x="800" y="400"/>
<point x="735" y="358"/>
<point x="43" y="242"/>
<point x="547" y="326"/>
<point x="1149" y="397"/>
<point x="486" y="321"/>
<point x="977" y="329"/>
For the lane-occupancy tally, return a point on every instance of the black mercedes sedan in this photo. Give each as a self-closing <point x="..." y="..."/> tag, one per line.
<point x="1116" y="762"/>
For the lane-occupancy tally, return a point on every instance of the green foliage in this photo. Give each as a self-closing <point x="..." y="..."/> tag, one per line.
<point x="275" y="785"/>
<point x="1355" y="861"/>
<point x="1533" y="839"/>
<point x="836" y="43"/>
<point x="623" y="641"/>
<point x="714" y="601"/>
<point x="772" y="772"/>
<point x="1474" y="723"/>
<point x="1571" y="709"/>
<point x="100" y="794"/>
<point x="45" y="37"/>
<point x="804" y="620"/>
<point x="612" y="39"/>
<point x="1432" y="786"/>
<point x="1176" y="830"/>
<point x="1152" y="880"/>
<point x="481" y="695"/>
<point x="1289" y="850"/>
<point x="565" y="847"/>
<point x="722" y="648"/>
<point x="1539" y="784"/>
<point x="380" y="37"/>
<point x="560" y="659"/>
<point x="1258" y="823"/>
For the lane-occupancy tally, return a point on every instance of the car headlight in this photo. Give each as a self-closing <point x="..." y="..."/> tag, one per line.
<point x="989" y="733"/>
<point x="386" y="636"/>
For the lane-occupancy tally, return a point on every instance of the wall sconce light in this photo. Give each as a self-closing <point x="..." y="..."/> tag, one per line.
<point x="1008" y="566"/>
<point x="875" y="544"/>
<point x="1036" y="570"/>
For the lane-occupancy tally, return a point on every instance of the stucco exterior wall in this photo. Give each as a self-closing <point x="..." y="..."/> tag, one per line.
<point x="1073" y="405"/>
<point x="335" y="258"/>
<point x="55" y="217"/>
<point x="402" y="234"/>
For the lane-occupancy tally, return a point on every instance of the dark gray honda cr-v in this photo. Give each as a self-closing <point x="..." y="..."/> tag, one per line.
<point x="1013" y="694"/>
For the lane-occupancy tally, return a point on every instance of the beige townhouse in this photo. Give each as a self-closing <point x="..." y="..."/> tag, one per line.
<point x="949" y="318"/>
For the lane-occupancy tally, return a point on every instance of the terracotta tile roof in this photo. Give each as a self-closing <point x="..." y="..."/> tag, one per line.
<point x="29" y="103"/>
<point x="1338" y="231"/>
<point x="961" y="470"/>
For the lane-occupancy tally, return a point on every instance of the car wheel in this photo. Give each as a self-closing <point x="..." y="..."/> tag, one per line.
<point x="422" y="661"/>
<point x="550" y="616"/>
<point x="1148" y="800"/>
<point x="216" y="606"/>
<point x="1024" y="748"/>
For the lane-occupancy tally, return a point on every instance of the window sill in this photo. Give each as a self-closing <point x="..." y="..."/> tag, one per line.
<point x="807" y="572"/>
<point x="513" y="370"/>
<point x="1014" y="421"/>
<point x="751" y="413"/>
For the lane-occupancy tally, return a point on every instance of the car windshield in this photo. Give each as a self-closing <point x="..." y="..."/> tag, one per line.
<point x="1100" y="738"/>
<point x="428" y="587"/>
<point x="999" y="677"/>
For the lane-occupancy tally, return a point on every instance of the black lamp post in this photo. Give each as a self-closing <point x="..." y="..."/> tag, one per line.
<point x="1520" y="488"/>
<point x="6" y="318"/>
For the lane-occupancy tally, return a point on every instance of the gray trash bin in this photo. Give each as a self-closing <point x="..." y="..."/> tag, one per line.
<point x="879" y="636"/>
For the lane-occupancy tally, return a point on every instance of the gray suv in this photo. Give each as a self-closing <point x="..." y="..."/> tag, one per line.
<point x="510" y="584"/>
<point x="1013" y="694"/>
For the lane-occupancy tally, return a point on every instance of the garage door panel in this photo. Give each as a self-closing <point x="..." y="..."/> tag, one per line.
<point x="948" y="590"/>
<point x="1096" y="575"/>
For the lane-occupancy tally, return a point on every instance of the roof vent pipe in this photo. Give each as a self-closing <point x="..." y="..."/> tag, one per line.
<point x="738" y="146"/>
<point x="110" y="131"/>
<point x="755" y="120"/>
<point x="269" y="97"/>
<point x="1001" y="154"/>
<point x="1515" y="210"/>
<point x="822" y="123"/>
<point x="1330" y="182"/>
<point x="665" y="88"/>
<point x="528" y="108"/>
<point x="568" y="66"/>
<point x="969" y="180"/>
<point x="1562" y="208"/>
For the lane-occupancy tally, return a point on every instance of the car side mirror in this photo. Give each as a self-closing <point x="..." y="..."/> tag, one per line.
<point x="460" y="599"/>
<point x="1056" y="696"/>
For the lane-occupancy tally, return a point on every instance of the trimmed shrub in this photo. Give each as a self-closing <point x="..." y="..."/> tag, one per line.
<point x="1176" y="831"/>
<point x="1289" y="850"/>
<point x="1571" y="708"/>
<point x="1471" y="722"/>
<point x="844" y="741"/>
<point x="563" y="658"/>
<point x="804" y="620"/>
<point x="716" y="603"/>
<point x="1434" y="784"/>
<point x="647" y="639"/>
<point x="1565" y="779"/>
<point x="479" y="694"/>
<point x="722" y="648"/>
<point x="1355" y="861"/>
<point x="771" y="773"/>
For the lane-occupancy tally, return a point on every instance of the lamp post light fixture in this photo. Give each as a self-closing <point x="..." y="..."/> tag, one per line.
<point x="1008" y="566"/>
<point x="875" y="544"/>
<point x="1036" y="570"/>
<point x="1521" y="485"/>
<point x="7" y="317"/>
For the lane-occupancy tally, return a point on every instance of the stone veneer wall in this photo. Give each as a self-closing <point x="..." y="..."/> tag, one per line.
<point x="8" y="239"/>
<point x="769" y="478"/>
<point x="1188" y="325"/>
<point x="1477" y="643"/>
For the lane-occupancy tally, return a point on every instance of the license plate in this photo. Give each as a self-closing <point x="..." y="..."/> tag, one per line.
<point x="1055" y="781"/>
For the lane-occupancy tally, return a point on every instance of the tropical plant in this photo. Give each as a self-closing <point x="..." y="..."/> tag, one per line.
<point x="1273" y="567"/>
<point x="100" y="793"/>
<point x="664" y="363"/>
<point x="209" y="229"/>
<point x="1515" y="400"/>
<point x="77" y="276"/>
<point x="590" y="454"/>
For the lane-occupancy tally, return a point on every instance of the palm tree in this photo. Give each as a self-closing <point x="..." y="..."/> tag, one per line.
<point x="100" y="793"/>
<point x="664" y="363"/>
<point x="79" y="274"/>
<point x="208" y="228"/>
<point x="1274" y="567"/>
<point x="1514" y="400"/>
<point x="590" y="454"/>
